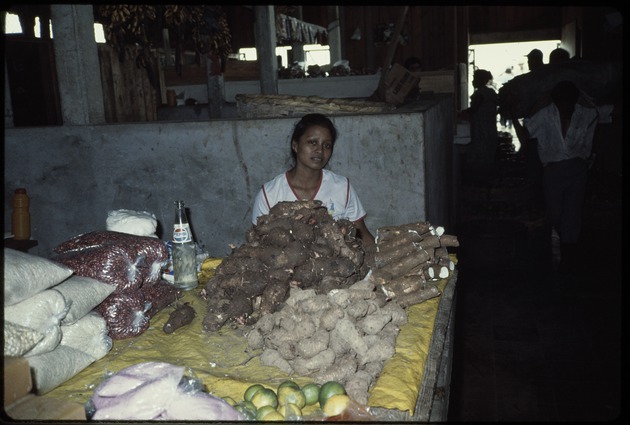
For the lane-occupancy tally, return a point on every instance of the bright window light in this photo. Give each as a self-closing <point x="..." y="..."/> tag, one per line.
<point x="12" y="24"/>
<point x="99" y="34"/>
<point x="314" y="54"/>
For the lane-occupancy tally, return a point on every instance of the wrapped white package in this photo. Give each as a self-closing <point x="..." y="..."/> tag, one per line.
<point x="139" y="223"/>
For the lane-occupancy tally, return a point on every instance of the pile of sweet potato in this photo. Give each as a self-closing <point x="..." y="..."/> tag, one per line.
<point x="345" y="335"/>
<point x="298" y="244"/>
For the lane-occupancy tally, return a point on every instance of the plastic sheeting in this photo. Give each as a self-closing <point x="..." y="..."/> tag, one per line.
<point x="226" y="366"/>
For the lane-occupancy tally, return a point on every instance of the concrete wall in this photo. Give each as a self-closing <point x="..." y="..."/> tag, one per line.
<point x="74" y="175"/>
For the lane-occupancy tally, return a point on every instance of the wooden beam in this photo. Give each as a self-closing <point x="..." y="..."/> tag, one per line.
<point x="379" y="94"/>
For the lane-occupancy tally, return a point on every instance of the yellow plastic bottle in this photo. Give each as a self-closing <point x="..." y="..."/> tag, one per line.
<point x="21" y="217"/>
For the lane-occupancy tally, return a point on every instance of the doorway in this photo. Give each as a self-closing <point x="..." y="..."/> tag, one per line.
<point x="505" y="61"/>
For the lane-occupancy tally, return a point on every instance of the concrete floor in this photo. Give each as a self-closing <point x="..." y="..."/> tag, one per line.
<point x="529" y="345"/>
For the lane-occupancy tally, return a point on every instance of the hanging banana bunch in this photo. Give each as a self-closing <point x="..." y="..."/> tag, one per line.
<point x="201" y="28"/>
<point x="212" y="33"/>
<point x="126" y="24"/>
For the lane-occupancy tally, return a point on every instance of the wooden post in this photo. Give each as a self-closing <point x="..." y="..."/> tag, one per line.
<point x="215" y="85"/>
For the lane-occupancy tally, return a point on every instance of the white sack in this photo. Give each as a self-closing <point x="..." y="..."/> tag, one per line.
<point x="82" y="294"/>
<point x="88" y="334"/>
<point x="25" y="275"/>
<point x="19" y="339"/>
<point x="42" y="312"/>
<point x="140" y="223"/>
<point x="55" y="367"/>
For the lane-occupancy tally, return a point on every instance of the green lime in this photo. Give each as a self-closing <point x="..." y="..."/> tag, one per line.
<point x="229" y="400"/>
<point x="251" y="390"/>
<point x="290" y="411"/>
<point x="328" y="390"/>
<point x="249" y="405"/>
<point x="336" y="404"/>
<point x="289" y="394"/>
<point x="265" y="397"/>
<point x="264" y="411"/>
<point x="288" y="383"/>
<point x="273" y="416"/>
<point x="247" y="409"/>
<point x="311" y="393"/>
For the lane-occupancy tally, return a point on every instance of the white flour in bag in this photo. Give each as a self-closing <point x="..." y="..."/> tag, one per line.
<point x="139" y="223"/>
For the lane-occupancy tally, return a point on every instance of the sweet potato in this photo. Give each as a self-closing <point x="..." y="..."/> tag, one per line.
<point x="180" y="317"/>
<point x="380" y="350"/>
<point x="348" y="331"/>
<point x="328" y="320"/>
<point x="271" y="357"/>
<point x="313" y="345"/>
<point x="321" y="361"/>
<point x="372" y="324"/>
<point x="340" y="371"/>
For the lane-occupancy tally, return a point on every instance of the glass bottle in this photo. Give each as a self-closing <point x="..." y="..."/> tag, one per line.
<point x="21" y="218"/>
<point x="184" y="257"/>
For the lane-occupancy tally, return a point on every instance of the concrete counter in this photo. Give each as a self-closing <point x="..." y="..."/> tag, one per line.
<point x="399" y="163"/>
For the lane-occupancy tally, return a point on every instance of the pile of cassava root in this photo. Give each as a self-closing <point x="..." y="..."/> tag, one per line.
<point x="407" y="257"/>
<point x="312" y="301"/>
<point x="298" y="244"/>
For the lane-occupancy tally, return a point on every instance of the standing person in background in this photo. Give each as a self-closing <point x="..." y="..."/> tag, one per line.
<point x="312" y="146"/>
<point x="535" y="59"/>
<point x="533" y="165"/>
<point x="482" y="114"/>
<point x="503" y="79"/>
<point x="558" y="55"/>
<point x="564" y="129"/>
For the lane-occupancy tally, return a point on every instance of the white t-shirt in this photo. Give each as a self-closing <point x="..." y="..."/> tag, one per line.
<point x="544" y="125"/>
<point x="334" y="191"/>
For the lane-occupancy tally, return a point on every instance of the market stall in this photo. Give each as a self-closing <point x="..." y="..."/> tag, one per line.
<point x="413" y="384"/>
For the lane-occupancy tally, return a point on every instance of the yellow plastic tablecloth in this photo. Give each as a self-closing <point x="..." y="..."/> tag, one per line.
<point x="223" y="362"/>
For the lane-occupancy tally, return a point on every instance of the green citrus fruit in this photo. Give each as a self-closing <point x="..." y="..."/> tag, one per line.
<point x="290" y="411"/>
<point x="247" y="409"/>
<point x="273" y="416"/>
<point x="336" y="404"/>
<point x="251" y="390"/>
<point x="311" y="393"/>
<point x="265" y="397"/>
<point x="289" y="394"/>
<point x="264" y="411"/>
<point x="328" y="390"/>
<point x="229" y="400"/>
<point x="288" y="383"/>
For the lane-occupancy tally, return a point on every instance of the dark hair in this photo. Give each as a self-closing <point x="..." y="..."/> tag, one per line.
<point x="481" y="77"/>
<point x="559" y="55"/>
<point x="308" y="121"/>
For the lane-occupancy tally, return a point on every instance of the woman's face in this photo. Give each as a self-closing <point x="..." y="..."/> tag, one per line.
<point x="314" y="148"/>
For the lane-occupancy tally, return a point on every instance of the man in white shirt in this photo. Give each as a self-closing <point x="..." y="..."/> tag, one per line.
<point x="564" y="129"/>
